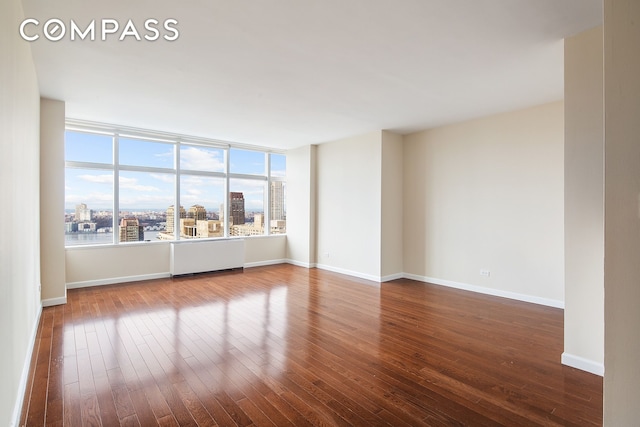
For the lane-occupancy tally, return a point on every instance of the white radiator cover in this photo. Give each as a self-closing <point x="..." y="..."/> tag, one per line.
<point x="211" y="255"/>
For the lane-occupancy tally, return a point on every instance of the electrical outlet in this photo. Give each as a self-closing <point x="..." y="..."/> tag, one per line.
<point x="485" y="273"/>
<point x="326" y="254"/>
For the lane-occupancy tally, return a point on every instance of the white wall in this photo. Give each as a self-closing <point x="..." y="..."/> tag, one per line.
<point x="584" y="202"/>
<point x="265" y="250"/>
<point x="391" y="263"/>
<point x="622" y="212"/>
<point x="348" y="205"/>
<point x="97" y="265"/>
<point x="52" y="259"/>
<point x="20" y="213"/>
<point x="488" y="194"/>
<point x="301" y="206"/>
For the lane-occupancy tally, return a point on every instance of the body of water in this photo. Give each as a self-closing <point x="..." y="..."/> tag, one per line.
<point x="79" y="239"/>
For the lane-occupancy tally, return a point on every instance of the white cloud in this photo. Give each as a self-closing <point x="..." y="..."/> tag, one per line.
<point x="201" y="159"/>
<point x="147" y="200"/>
<point x="97" y="179"/>
<point x="190" y="180"/>
<point x="94" y="200"/>
<point x="165" y="154"/>
<point x="132" y="184"/>
<point x="169" y="179"/>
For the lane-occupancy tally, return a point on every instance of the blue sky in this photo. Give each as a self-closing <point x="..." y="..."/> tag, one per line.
<point x="152" y="190"/>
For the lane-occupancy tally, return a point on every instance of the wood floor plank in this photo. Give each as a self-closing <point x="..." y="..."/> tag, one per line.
<point x="288" y="346"/>
<point x="130" y="421"/>
<point x="255" y="391"/>
<point x="31" y="375"/>
<point x="37" y="406"/>
<point x="178" y="409"/>
<point x="90" y="410"/>
<point x="142" y="408"/>
<point x="124" y="405"/>
<point x="72" y="405"/>
<point x="156" y="401"/>
<point x="210" y="403"/>
<point x="193" y="404"/>
<point x="104" y="394"/>
<point x="256" y="415"/>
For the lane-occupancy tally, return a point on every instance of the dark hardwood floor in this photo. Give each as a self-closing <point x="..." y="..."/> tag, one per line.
<point x="288" y="346"/>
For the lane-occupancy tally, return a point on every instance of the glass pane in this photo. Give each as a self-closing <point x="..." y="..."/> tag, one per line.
<point x="246" y="207"/>
<point x="88" y="147"/>
<point x="201" y="201"/>
<point x="246" y="162"/>
<point x="278" y="212"/>
<point x="134" y="152"/>
<point x="198" y="158"/>
<point x="144" y="198"/>
<point x="278" y="165"/>
<point x="88" y="207"/>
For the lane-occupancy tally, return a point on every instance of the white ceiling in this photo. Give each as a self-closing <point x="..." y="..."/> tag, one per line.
<point x="285" y="73"/>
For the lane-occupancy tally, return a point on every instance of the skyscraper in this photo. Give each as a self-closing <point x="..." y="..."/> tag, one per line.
<point x="171" y="218"/>
<point x="83" y="213"/>
<point x="277" y="211"/>
<point x="258" y="220"/>
<point x="131" y="230"/>
<point x="237" y="208"/>
<point x="198" y="213"/>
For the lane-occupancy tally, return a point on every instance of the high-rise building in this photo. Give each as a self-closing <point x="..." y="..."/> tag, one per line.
<point x="171" y="218"/>
<point x="258" y="220"/>
<point x="236" y="216"/>
<point x="277" y="211"/>
<point x="83" y="213"/>
<point x="210" y="228"/>
<point x="197" y="212"/>
<point x="131" y="230"/>
<point x="188" y="228"/>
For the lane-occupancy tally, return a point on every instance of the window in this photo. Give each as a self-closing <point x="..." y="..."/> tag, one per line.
<point x="88" y="206"/>
<point x="136" y="152"/>
<point x="246" y="162"/>
<point x="143" y="198"/>
<point x="203" y="159"/>
<point x="277" y="193"/>
<point x="167" y="187"/>
<point x="88" y="147"/>
<point x="278" y="165"/>
<point x="202" y="200"/>
<point x="246" y="207"/>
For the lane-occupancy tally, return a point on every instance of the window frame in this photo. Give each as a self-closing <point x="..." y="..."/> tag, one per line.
<point x="177" y="141"/>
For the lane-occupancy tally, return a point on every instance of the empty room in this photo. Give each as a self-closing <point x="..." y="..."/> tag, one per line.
<point x="287" y="213"/>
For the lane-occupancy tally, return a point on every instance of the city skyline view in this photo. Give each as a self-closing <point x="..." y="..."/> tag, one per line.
<point x="84" y="226"/>
<point x="147" y="177"/>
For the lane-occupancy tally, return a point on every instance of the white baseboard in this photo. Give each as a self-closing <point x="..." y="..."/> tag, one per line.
<point x="22" y="387"/>
<point x="349" y="272"/>
<point x="391" y="277"/>
<point x="115" y="280"/>
<point x="54" y="301"/>
<point x="473" y="288"/>
<point x="488" y="291"/>
<point x="300" y="263"/>
<point x="583" y="364"/>
<point x="263" y="263"/>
